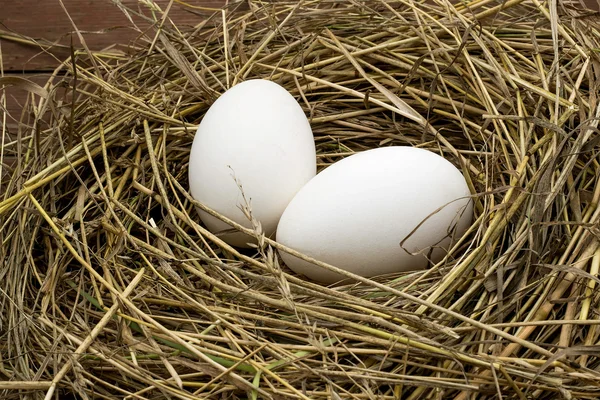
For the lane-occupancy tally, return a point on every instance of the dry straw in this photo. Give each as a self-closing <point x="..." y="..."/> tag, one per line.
<point x="111" y="288"/>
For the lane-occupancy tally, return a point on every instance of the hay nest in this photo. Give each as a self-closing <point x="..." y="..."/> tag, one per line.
<point x="110" y="287"/>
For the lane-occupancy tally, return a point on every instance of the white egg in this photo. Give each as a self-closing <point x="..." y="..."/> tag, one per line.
<point x="255" y="133"/>
<point x="377" y="212"/>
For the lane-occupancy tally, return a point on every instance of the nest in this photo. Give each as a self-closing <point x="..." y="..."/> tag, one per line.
<point x="110" y="286"/>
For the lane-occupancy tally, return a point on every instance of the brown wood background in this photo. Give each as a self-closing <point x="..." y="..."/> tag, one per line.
<point x="101" y="22"/>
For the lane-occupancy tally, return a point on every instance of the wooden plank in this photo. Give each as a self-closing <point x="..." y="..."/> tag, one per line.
<point x="101" y="23"/>
<point x="16" y="96"/>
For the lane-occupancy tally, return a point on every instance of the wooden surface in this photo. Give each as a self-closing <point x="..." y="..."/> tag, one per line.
<point x="102" y="25"/>
<point x="100" y="21"/>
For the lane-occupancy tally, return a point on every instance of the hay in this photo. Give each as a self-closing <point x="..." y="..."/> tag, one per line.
<point x="110" y="287"/>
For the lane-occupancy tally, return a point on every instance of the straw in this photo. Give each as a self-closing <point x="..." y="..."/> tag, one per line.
<point x="111" y="286"/>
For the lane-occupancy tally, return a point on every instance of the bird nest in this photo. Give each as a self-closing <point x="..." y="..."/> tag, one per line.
<point x="111" y="287"/>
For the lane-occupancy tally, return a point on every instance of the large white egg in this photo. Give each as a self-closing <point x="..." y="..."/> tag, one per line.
<point x="258" y="134"/>
<point x="357" y="212"/>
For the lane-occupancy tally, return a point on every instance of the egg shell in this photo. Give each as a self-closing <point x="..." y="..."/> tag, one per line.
<point x="355" y="214"/>
<point x="255" y="133"/>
